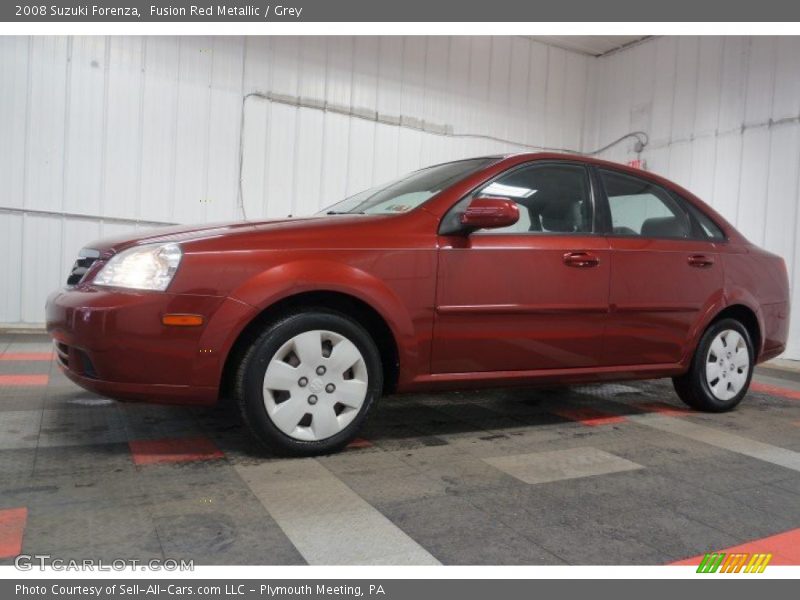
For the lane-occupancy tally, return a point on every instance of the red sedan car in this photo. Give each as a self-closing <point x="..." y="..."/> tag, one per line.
<point x="501" y="270"/>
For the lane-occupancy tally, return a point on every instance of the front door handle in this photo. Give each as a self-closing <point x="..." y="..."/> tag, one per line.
<point x="700" y="261"/>
<point x="581" y="259"/>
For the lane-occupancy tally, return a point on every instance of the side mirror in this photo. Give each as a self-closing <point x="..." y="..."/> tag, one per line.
<point x="486" y="212"/>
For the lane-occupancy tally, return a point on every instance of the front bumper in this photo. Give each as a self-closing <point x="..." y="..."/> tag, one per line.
<point x="113" y="342"/>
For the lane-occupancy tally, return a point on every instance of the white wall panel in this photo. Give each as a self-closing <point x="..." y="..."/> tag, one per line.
<point x="46" y="129"/>
<point x="279" y="201"/>
<point x="519" y="71"/>
<point x="781" y="210"/>
<point x="478" y="98"/>
<point x="83" y="159"/>
<point x="752" y="201"/>
<point x="339" y="82"/>
<point x="14" y="113"/>
<point x="307" y="163"/>
<point x="703" y="164"/>
<point x="760" y="85"/>
<point x="255" y="141"/>
<point x="360" y="159"/>
<point x="554" y="125"/>
<point x="709" y="72"/>
<point x="387" y="146"/>
<point x="159" y="127"/>
<point x="225" y="104"/>
<point x="616" y="85"/>
<point x="537" y="94"/>
<point x="727" y="169"/>
<point x="333" y="181"/>
<point x="42" y="270"/>
<point x="733" y="81"/>
<point x="192" y="124"/>
<point x="680" y="163"/>
<point x="11" y="266"/>
<point x="663" y="89"/>
<point x="574" y="100"/>
<point x="644" y="80"/>
<point x="786" y="100"/>
<point x="499" y="81"/>
<point x="685" y="95"/>
<point x="123" y="131"/>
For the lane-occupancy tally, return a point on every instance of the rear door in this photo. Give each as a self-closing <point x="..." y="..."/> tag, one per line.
<point x="665" y="271"/>
<point x="530" y="296"/>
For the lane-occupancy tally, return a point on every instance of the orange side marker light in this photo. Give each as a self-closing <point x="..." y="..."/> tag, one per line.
<point x="180" y="320"/>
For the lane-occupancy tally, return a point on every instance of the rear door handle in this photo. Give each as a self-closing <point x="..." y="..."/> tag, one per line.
<point x="700" y="261"/>
<point x="581" y="259"/>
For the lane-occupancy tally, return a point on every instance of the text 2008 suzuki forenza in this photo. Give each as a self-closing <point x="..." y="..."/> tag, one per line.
<point x="482" y="272"/>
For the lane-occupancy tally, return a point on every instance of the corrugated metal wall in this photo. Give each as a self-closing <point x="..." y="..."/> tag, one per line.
<point x="723" y="116"/>
<point x="100" y="134"/>
<point x="298" y="159"/>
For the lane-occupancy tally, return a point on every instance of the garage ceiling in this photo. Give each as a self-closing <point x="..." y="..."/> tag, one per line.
<point x="593" y="45"/>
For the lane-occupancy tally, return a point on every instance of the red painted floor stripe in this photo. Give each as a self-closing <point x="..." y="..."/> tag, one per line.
<point x="664" y="409"/>
<point x="589" y="416"/>
<point x="784" y="547"/>
<point x="17" y="380"/>
<point x="173" y="450"/>
<point x="25" y="356"/>
<point x="775" y="390"/>
<point x="12" y="527"/>
<point x="359" y="443"/>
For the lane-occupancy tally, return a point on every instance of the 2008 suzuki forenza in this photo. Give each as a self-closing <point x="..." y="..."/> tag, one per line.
<point x="491" y="271"/>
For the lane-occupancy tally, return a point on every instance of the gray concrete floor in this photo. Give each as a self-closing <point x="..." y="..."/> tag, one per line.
<point x="606" y="474"/>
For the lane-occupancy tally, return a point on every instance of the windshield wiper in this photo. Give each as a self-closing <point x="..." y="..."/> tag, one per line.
<point x="345" y="212"/>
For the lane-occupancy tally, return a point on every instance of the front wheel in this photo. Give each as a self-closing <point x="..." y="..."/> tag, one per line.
<point x="306" y="384"/>
<point x="721" y="369"/>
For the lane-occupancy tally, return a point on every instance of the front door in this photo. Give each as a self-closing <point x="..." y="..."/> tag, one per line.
<point x="530" y="296"/>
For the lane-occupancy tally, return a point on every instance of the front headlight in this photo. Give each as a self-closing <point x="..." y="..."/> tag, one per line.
<point x="148" y="267"/>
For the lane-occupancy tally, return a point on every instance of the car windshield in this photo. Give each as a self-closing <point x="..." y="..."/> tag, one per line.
<point x="408" y="192"/>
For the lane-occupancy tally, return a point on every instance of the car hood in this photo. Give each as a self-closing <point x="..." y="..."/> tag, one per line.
<point x="185" y="233"/>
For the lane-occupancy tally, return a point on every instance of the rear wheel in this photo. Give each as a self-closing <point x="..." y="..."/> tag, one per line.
<point x="721" y="369"/>
<point x="306" y="384"/>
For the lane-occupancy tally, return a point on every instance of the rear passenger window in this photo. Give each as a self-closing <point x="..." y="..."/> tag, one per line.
<point x="640" y="208"/>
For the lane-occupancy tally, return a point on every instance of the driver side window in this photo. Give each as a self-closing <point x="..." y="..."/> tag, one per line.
<point x="552" y="199"/>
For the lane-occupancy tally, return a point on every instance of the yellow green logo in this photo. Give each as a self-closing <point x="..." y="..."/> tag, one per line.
<point x="744" y="562"/>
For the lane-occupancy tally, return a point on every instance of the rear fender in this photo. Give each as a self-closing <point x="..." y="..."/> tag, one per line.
<point x="715" y="306"/>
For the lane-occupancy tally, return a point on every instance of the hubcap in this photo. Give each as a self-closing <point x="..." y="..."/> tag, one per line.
<point x="315" y="385"/>
<point x="727" y="364"/>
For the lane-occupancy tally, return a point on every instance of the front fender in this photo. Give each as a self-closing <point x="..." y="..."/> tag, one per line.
<point x="319" y="275"/>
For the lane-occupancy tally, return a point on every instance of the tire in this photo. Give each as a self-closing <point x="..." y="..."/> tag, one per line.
<point x="316" y="362"/>
<point x="721" y="368"/>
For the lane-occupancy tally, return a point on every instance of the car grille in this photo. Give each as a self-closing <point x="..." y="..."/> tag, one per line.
<point x="86" y="259"/>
